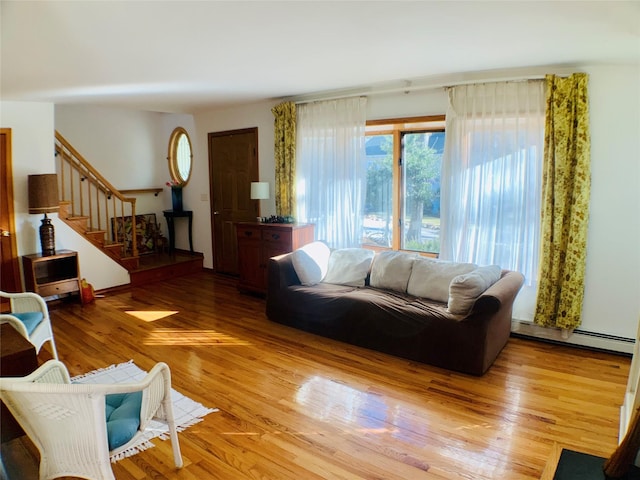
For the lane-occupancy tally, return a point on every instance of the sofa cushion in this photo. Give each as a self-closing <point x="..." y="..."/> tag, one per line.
<point x="123" y="417"/>
<point x="391" y="270"/>
<point x="349" y="266"/>
<point x="465" y="289"/>
<point x="311" y="262"/>
<point x="430" y="278"/>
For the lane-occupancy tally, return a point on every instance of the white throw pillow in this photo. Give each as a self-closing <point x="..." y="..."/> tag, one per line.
<point x="391" y="270"/>
<point x="430" y="278"/>
<point x="465" y="289"/>
<point x="311" y="262"/>
<point x="349" y="266"/>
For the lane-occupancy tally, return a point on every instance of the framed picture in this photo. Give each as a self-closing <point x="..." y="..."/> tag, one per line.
<point x="146" y="232"/>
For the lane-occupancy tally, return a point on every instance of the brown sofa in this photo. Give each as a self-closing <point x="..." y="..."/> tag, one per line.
<point x="395" y="323"/>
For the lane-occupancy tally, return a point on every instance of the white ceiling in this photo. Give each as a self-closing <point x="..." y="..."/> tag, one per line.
<point x="184" y="56"/>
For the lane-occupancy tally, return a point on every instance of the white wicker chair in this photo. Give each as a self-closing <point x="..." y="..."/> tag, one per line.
<point x="27" y="302"/>
<point x="67" y="422"/>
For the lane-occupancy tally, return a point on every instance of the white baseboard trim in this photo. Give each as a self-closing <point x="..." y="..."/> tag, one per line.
<point x="579" y="337"/>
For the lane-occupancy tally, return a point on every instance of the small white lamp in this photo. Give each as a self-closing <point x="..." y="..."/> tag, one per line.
<point x="259" y="190"/>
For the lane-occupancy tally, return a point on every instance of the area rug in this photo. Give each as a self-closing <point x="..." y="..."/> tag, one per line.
<point x="186" y="411"/>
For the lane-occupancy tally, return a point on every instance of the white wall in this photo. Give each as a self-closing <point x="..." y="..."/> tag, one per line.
<point x="612" y="294"/>
<point x="31" y="127"/>
<point x="130" y="148"/>
<point x="612" y="285"/>
<point x="246" y="116"/>
<point x="612" y="290"/>
<point x="32" y="135"/>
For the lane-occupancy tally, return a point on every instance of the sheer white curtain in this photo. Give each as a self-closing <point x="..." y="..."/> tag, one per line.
<point x="492" y="177"/>
<point x="331" y="169"/>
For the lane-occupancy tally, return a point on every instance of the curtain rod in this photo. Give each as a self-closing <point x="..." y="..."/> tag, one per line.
<point x="409" y="87"/>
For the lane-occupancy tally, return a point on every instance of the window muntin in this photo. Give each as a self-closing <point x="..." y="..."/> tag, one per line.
<point x="180" y="156"/>
<point x="402" y="208"/>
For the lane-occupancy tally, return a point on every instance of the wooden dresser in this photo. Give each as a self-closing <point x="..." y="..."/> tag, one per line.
<point x="258" y="242"/>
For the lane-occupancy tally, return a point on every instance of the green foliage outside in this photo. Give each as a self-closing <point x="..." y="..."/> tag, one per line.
<point x="421" y="183"/>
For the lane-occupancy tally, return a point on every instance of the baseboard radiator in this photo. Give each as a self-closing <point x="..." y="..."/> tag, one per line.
<point x="582" y="338"/>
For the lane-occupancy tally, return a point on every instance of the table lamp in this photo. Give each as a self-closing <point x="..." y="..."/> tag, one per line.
<point x="259" y="190"/>
<point x="43" y="198"/>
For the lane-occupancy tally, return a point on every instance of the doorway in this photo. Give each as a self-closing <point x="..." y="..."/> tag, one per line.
<point x="9" y="266"/>
<point x="233" y="165"/>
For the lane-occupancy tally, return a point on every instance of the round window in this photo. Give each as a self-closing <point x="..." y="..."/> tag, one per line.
<point x="180" y="156"/>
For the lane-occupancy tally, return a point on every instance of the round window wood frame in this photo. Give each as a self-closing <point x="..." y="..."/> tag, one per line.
<point x="174" y="168"/>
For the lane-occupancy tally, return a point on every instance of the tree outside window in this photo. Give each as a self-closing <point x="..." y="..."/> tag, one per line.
<point x="402" y="209"/>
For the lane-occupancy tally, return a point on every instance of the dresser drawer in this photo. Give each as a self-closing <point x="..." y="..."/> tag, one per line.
<point x="58" y="288"/>
<point x="248" y="232"/>
<point x="277" y="235"/>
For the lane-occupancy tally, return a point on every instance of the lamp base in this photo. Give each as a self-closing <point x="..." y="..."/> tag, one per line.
<point x="47" y="237"/>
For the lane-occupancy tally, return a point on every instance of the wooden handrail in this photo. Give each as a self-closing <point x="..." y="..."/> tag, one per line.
<point x="89" y="168"/>
<point x="155" y="191"/>
<point x="74" y="170"/>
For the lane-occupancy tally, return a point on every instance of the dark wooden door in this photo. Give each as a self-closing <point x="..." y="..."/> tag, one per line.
<point x="233" y="165"/>
<point x="9" y="266"/>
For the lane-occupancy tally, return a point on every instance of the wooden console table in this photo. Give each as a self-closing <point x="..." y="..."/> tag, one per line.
<point x="17" y="359"/>
<point x="170" y="216"/>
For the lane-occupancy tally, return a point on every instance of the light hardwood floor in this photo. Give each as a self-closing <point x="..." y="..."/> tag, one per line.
<point x="301" y="407"/>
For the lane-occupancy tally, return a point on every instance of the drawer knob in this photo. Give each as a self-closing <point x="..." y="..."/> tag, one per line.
<point x="248" y="233"/>
<point x="275" y="236"/>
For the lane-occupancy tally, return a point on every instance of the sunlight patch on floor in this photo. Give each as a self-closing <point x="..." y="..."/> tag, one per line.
<point x="179" y="336"/>
<point x="151" y="316"/>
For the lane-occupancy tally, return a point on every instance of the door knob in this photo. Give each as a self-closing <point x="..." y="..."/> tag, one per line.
<point x="216" y="213"/>
<point x="5" y="233"/>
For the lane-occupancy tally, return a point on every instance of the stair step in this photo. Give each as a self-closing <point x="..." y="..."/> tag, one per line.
<point x="87" y="223"/>
<point x="158" y="267"/>
<point x="97" y="237"/>
<point x="130" y="263"/>
<point x="114" y="249"/>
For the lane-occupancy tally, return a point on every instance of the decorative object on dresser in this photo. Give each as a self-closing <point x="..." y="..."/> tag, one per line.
<point x="43" y="198"/>
<point x="49" y="275"/>
<point x="258" y="242"/>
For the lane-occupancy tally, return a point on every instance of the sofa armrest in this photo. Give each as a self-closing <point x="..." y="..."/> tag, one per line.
<point x="503" y="292"/>
<point x="280" y="273"/>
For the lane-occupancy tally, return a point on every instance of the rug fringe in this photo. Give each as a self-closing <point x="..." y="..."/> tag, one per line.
<point x="187" y="412"/>
<point x="131" y="451"/>
<point x="100" y="370"/>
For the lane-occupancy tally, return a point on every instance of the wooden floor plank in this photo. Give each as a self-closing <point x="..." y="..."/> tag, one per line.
<point x="297" y="406"/>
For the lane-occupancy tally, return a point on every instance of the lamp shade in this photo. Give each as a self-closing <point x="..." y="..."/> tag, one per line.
<point x="259" y="190"/>
<point x="43" y="193"/>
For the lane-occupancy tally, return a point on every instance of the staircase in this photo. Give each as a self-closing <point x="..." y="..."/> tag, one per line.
<point x="88" y="202"/>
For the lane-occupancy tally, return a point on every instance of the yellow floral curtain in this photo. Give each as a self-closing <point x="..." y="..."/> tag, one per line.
<point x="285" y="157"/>
<point x="566" y="181"/>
